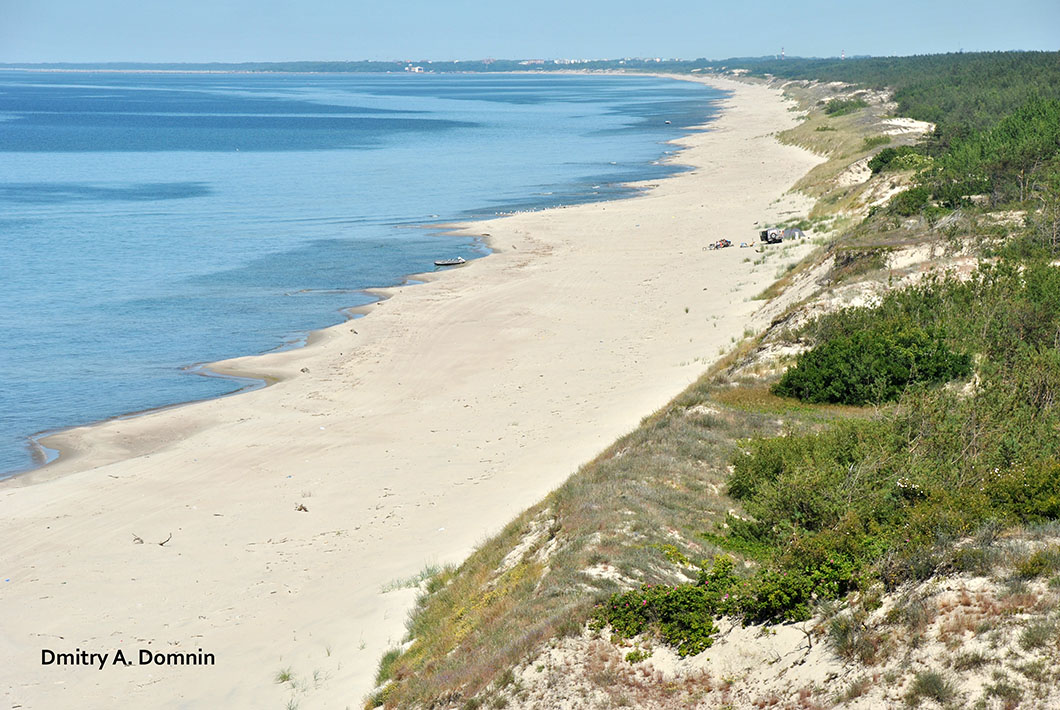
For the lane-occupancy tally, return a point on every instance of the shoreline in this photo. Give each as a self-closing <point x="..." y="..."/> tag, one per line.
<point x="407" y="437"/>
<point x="49" y="448"/>
<point x="42" y="472"/>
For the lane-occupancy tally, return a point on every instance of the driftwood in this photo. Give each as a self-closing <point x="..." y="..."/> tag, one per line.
<point x="137" y="540"/>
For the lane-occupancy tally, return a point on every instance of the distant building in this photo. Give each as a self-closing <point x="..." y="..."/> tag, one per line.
<point x="414" y="69"/>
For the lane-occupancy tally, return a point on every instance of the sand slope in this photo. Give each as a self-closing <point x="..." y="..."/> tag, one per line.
<point x="408" y="435"/>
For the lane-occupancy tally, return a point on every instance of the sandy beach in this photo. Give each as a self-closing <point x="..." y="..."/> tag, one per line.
<point x="390" y="442"/>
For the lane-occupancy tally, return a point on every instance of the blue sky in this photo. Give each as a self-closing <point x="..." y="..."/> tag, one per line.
<point x="277" y="30"/>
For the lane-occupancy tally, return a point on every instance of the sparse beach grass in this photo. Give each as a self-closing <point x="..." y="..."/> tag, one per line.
<point x="635" y="515"/>
<point x="412" y="581"/>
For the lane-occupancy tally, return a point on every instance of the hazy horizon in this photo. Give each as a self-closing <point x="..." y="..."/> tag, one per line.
<point x="473" y="60"/>
<point x="238" y="31"/>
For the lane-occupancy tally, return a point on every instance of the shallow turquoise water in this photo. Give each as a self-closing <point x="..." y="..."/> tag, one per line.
<point x="153" y="222"/>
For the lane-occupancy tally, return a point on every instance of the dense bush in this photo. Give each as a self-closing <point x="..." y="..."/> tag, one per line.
<point x="912" y="201"/>
<point x="841" y="107"/>
<point x="683" y="616"/>
<point x="885" y="159"/>
<point x="871" y="366"/>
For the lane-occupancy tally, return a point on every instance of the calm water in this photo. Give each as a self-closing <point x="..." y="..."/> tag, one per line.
<point x="152" y="222"/>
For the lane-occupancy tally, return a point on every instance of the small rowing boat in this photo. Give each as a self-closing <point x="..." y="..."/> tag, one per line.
<point x="450" y="262"/>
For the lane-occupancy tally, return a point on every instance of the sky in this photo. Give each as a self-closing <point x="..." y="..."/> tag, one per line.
<point x="283" y="30"/>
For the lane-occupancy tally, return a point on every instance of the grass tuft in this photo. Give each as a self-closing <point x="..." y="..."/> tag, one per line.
<point x="930" y="684"/>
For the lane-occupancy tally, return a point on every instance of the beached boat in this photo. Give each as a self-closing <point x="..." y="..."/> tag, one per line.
<point x="450" y="262"/>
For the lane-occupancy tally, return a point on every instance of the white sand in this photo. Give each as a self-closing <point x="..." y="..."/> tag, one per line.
<point x="409" y="436"/>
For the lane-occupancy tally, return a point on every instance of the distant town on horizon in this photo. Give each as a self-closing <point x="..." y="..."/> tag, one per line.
<point x="483" y="64"/>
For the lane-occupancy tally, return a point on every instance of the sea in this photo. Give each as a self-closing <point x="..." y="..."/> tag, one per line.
<point x="154" y="222"/>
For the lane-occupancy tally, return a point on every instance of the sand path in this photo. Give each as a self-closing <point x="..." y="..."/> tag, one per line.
<point x="408" y="436"/>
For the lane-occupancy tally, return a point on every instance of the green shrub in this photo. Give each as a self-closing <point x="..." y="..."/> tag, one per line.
<point x="912" y="201"/>
<point x="1041" y="563"/>
<point x="871" y="366"/>
<point x="683" y="616"/>
<point x="841" y="107"/>
<point x="637" y="655"/>
<point x="777" y="596"/>
<point x="903" y="157"/>
<point x="885" y="498"/>
<point x="1030" y="491"/>
<point x="911" y="161"/>
<point x="885" y="157"/>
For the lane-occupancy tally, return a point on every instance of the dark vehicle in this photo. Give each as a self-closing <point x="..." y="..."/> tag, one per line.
<point x="775" y="235"/>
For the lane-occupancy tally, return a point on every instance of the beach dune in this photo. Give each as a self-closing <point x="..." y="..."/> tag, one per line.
<point x="261" y="528"/>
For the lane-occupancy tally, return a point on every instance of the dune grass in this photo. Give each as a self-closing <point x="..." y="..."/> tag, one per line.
<point x="637" y="514"/>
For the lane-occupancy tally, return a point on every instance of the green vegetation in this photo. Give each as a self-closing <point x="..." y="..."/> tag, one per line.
<point x="1038" y="635"/>
<point x="851" y="638"/>
<point x="882" y="498"/>
<point x="961" y="93"/>
<point x="875" y="142"/>
<point x="1003" y="689"/>
<point x="1003" y="161"/>
<point x="1042" y="562"/>
<point x="904" y="157"/>
<point x="874" y="365"/>
<point x="682" y="616"/>
<point x="386" y="663"/>
<point x="637" y="655"/>
<point x="930" y="684"/>
<point x="848" y="498"/>
<point x="841" y="107"/>
<point x="997" y="134"/>
<point x="1012" y="162"/>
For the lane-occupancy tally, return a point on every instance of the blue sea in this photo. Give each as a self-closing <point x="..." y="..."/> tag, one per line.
<point x="153" y="222"/>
